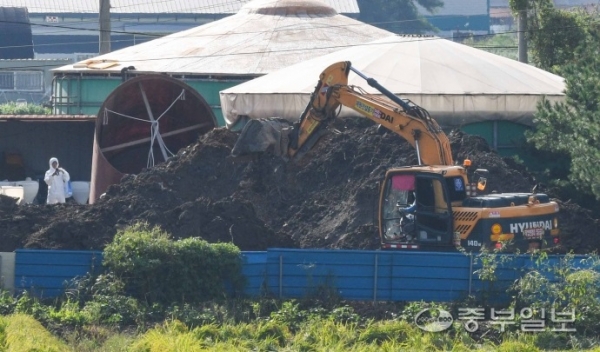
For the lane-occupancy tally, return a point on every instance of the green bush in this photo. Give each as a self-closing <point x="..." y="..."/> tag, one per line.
<point x="565" y="286"/>
<point x="155" y="268"/>
<point x="27" y="304"/>
<point x="7" y="302"/>
<point x="29" y="109"/>
<point x="68" y="314"/>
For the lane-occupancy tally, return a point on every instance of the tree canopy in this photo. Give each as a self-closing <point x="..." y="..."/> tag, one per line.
<point x="552" y="34"/>
<point x="398" y="16"/>
<point x="573" y="126"/>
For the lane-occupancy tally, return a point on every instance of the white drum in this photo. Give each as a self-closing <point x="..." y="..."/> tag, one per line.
<point x="81" y="191"/>
<point x="30" y="189"/>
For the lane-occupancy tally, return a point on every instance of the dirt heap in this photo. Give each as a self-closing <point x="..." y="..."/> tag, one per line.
<point x="326" y="200"/>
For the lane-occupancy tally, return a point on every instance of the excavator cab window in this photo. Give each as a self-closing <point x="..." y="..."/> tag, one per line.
<point x="433" y="215"/>
<point x="431" y="222"/>
<point x="456" y="188"/>
<point x="398" y="195"/>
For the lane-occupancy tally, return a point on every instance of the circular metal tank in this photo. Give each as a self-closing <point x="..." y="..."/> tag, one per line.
<point x="141" y="123"/>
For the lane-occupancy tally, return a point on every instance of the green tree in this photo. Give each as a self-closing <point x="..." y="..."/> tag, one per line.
<point x="552" y="34"/>
<point x="573" y="126"/>
<point x="398" y="16"/>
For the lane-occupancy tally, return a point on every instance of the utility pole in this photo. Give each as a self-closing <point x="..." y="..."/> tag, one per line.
<point x="521" y="36"/>
<point x="104" y="17"/>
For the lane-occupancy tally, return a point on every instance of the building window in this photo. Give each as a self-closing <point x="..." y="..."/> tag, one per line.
<point x="7" y="80"/>
<point x="22" y="80"/>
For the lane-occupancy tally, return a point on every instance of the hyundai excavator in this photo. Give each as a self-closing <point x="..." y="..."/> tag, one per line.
<point x="447" y="210"/>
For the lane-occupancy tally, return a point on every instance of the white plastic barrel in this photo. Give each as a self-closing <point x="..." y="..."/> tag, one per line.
<point x="30" y="189"/>
<point x="13" y="191"/>
<point x="81" y="191"/>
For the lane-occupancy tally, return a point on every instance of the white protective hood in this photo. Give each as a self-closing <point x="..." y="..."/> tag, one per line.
<point x="456" y="83"/>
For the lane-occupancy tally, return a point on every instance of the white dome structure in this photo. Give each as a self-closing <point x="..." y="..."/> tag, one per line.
<point x="264" y="36"/>
<point x="456" y="83"/>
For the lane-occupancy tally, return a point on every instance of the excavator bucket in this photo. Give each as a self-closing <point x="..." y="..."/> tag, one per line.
<point x="274" y="136"/>
<point x="264" y="135"/>
<point x="291" y="141"/>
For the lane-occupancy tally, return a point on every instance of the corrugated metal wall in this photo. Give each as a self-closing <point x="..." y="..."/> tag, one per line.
<point x="45" y="273"/>
<point x="296" y="273"/>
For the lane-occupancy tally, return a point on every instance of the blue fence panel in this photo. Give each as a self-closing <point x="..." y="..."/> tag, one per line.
<point x="429" y="276"/>
<point x="294" y="273"/>
<point x="46" y="272"/>
<point x="368" y="275"/>
<point x="254" y="268"/>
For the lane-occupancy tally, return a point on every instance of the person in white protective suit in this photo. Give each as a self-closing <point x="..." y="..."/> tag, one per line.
<point x="56" y="178"/>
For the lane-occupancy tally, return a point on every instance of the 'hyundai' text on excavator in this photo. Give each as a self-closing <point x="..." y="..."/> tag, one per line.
<point x="429" y="206"/>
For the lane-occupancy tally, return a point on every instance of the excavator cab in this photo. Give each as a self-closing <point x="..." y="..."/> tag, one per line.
<point x="430" y="225"/>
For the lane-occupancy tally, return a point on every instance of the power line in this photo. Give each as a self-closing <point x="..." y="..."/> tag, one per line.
<point x="417" y="38"/>
<point x="70" y="28"/>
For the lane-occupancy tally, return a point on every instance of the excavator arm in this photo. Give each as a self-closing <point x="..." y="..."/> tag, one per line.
<point x="408" y="120"/>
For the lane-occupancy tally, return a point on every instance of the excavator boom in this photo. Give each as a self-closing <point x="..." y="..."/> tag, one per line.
<point x="408" y="120"/>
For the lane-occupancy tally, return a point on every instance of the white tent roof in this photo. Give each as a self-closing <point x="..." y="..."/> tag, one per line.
<point x="265" y="35"/>
<point x="456" y="83"/>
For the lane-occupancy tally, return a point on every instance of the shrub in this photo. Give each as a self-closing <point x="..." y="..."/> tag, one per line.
<point x="155" y="268"/>
<point x="7" y="302"/>
<point x="566" y="285"/>
<point x="29" y="109"/>
<point x="26" y="304"/>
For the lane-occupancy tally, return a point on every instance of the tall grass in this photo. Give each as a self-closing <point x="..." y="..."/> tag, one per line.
<point x="25" y="334"/>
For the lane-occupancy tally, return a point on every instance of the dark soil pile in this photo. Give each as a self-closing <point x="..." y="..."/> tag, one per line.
<point x="326" y="200"/>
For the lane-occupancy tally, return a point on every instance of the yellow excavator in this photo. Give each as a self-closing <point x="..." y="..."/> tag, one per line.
<point x="429" y="206"/>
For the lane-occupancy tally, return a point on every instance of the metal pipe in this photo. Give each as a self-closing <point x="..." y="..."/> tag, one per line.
<point x="280" y="276"/>
<point x="147" y="139"/>
<point x="418" y="151"/>
<point x="375" y="278"/>
<point x="470" y="272"/>
<point x="373" y="83"/>
<point x="522" y="31"/>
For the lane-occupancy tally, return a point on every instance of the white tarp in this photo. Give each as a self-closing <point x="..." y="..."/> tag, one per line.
<point x="456" y="83"/>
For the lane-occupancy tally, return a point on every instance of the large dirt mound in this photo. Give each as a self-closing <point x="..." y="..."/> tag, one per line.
<point x="327" y="200"/>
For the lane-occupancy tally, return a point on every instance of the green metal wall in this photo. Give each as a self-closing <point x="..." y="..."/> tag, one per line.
<point x="76" y="95"/>
<point x="503" y="136"/>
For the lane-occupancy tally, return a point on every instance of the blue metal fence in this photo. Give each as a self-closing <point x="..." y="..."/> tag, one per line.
<point x="295" y="273"/>
<point x="378" y="275"/>
<point x="45" y="272"/>
<point x="254" y="269"/>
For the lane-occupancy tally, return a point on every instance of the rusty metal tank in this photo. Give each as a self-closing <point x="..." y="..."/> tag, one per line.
<point x="143" y="122"/>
